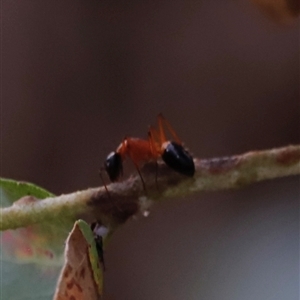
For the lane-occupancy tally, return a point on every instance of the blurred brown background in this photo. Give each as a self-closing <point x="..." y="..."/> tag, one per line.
<point x="77" y="76"/>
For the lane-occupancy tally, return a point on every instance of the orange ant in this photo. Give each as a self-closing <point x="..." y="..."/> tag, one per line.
<point x="141" y="151"/>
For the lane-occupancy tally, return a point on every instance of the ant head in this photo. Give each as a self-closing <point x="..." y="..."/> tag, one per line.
<point x="113" y="166"/>
<point x="177" y="158"/>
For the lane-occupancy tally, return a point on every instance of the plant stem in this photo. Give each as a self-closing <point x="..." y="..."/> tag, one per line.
<point x="128" y="197"/>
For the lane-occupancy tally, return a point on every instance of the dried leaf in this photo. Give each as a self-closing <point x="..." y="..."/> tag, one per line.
<point x="81" y="277"/>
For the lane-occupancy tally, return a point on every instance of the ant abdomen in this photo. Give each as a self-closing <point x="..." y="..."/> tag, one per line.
<point x="177" y="158"/>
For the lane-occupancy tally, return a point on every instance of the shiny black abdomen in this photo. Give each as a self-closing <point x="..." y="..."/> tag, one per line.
<point x="114" y="166"/>
<point x="177" y="158"/>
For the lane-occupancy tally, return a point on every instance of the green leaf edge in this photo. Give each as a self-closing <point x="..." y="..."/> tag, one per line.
<point x="17" y="189"/>
<point x="93" y="255"/>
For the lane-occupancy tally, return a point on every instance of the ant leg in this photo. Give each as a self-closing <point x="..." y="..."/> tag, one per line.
<point x="143" y="182"/>
<point x="135" y="162"/>
<point x="102" y="179"/>
<point x="154" y="141"/>
<point x="151" y="134"/>
<point x="161" y="129"/>
<point x="161" y="121"/>
<point x="108" y="193"/>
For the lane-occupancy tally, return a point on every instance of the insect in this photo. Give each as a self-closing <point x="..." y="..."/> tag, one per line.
<point x="98" y="231"/>
<point x="141" y="151"/>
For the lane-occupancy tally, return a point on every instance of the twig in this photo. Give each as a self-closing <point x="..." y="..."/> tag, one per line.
<point x="128" y="197"/>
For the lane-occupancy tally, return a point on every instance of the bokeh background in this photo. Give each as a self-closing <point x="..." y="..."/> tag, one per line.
<point x="77" y="76"/>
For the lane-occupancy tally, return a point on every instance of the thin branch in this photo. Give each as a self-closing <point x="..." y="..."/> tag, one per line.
<point x="128" y="197"/>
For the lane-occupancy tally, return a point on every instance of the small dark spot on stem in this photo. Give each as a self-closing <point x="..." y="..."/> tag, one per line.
<point x="25" y="200"/>
<point x="288" y="156"/>
<point x="219" y="165"/>
<point x="120" y="208"/>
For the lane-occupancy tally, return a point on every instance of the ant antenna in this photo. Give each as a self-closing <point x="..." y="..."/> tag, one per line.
<point x="151" y="134"/>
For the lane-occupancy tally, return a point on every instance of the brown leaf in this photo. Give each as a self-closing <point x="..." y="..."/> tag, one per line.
<point x="81" y="277"/>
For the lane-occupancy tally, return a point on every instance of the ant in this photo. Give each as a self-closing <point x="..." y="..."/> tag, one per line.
<point x="98" y="232"/>
<point x="157" y="146"/>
